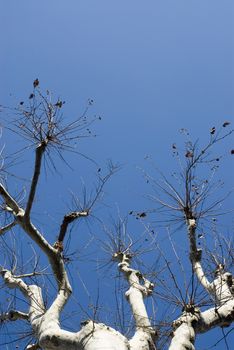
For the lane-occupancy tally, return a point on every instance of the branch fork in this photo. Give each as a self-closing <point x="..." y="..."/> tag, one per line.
<point x="145" y="334"/>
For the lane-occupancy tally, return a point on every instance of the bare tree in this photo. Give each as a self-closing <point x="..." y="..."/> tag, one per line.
<point x="193" y="199"/>
<point x="42" y="125"/>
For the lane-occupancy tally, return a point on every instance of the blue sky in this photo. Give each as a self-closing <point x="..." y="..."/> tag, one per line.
<point x="151" y="68"/>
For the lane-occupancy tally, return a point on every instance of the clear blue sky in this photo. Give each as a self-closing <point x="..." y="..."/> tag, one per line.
<point x="152" y="67"/>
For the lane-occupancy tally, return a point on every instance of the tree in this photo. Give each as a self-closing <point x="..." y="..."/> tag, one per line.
<point x="188" y="199"/>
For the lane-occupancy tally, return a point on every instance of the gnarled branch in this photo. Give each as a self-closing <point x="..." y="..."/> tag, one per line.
<point x="68" y="219"/>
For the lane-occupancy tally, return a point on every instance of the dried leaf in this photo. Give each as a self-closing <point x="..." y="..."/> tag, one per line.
<point x="141" y="215"/>
<point x="189" y="154"/>
<point x="212" y="130"/>
<point x="35" y="83"/>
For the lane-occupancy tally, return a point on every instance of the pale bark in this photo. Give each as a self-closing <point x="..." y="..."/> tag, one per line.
<point x="190" y="324"/>
<point x="46" y="326"/>
<point x="220" y="289"/>
<point x="45" y="323"/>
<point x="92" y="336"/>
<point x="95" y="336"/>
<point x="184" y="333"/>
<point x="145" y="334"/>
<point x="221" y="316"/>
<point x="52" y="254"/>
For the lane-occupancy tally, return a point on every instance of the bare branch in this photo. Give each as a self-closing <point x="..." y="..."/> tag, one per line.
<point x="7" y="227"/>
<point x="135" y="295"/>
<point x="221" y="316"/>
<point x="52" y="254"/>
<point x="221" y="287"/>
<point x="193" y="321"/>
<point x="68" y="219"/>
<point x="195" y="256"/>
<point x="12" y="205"/>
<point x="184" y="334"/>
<point x="86" y="207"/>
<point x="14" y="315"/>
<point x="31" y="292"/>
<point x="13" y="282"/>
<point x="37" y="167"/>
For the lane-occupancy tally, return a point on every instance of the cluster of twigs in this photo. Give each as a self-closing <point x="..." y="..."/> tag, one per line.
<point x="191" y="192"/>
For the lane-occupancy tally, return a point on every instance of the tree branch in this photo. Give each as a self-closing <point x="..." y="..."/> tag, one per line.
<point x="192" y="322"/>
<point x="222" y="316"/>
<point x="184" y="333"/>
<point x="68" y="219"/>
<point x="31" y="292"/>
<point x="13" y="282"/>
<point x="220" y="287"/>
<point x="37" y="167"/>
<point x="7" y="227"/>
<point x="52" y="254"/>
<point x="14" y="315"/>
<point x="135" y="296"/>
<point x="12" y="205"/>
<point x="195" y="256"/>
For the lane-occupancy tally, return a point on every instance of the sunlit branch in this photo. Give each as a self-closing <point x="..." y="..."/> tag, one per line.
<point x="183" y="335"/>
<point x="139" y="288"/>
<point x="13" y="282"/>
<point x="221" y="316"/>
<point x="52" y="254"/>
<point x="11" y="204"/>
<point x="35" y="346"/>
<point x="193" y="321"/>
<point x="31" y="292"/>
<point x="195" y="256"/>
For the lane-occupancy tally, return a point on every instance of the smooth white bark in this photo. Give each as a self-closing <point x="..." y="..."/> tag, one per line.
<point x="183" y="338"/>
<point x="96" y="336"/>
<point x="221" y="316"/>
<point x="191" y="323"/>
<point x="139" y="288"/>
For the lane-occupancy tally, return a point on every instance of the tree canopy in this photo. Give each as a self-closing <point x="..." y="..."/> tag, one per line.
<point x="163" y="271"/>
